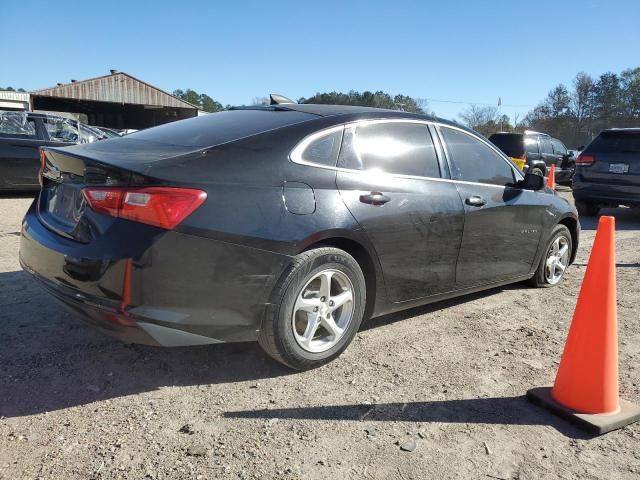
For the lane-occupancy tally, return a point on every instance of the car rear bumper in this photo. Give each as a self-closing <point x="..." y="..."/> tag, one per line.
<point x="606" y="194"/>
<point x="176" y="289"/>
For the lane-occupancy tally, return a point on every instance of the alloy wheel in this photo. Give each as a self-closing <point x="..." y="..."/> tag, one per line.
<point x="323" y="311"/>
<point x="557" y="260"/>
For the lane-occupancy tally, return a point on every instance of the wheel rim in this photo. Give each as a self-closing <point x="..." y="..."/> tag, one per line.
<point x="557" y="260"/>
<point x="323" y="311"/>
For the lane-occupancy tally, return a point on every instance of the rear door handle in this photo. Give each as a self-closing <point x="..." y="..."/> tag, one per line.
<point x="475" y="201"/>
<point x="374" y="198"/>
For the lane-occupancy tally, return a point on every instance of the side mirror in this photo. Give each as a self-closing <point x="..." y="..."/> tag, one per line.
<point x="533" y="181"/>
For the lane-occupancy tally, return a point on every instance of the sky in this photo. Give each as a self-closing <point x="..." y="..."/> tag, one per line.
<point x="445" y="51"/>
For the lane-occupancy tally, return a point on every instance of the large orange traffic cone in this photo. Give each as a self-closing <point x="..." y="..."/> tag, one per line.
<point x="551" y="179"/>
<point x="586" y="386"/>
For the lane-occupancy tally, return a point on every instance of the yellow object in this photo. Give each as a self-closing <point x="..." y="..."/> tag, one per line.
<point x="519" y="162"/>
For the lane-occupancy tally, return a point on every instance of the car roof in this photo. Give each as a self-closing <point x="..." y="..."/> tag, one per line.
<point x="323" y="110"/>
<point x="622" y="130"/>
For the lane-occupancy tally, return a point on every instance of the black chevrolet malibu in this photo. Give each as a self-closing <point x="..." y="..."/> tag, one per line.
<point x="286" y="224"/>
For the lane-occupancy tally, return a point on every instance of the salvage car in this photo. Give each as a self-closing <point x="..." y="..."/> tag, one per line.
<point x="23" y="133"/>
<point x="608" y="172"/>
<point x="286" y="224"/>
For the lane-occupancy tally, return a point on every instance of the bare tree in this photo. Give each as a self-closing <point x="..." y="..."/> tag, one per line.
<point x="483" y="119"/>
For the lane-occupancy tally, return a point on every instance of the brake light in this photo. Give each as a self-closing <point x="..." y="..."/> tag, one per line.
<point x="585" y="159"/>
<point x="163" y="207"/>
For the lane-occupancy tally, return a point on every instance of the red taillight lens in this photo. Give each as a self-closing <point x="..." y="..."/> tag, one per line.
<point x="162" y="207"/>
<point x="585" y="159"/>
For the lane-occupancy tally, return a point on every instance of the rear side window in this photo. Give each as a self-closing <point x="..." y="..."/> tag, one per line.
<point x="16" y="124"/>
<point x="511" y="144"/>
<point x="474" y="161"/>
<point x="615" y="142"/>
<point x="393" y="147"/>
<point x="321" y="149"/>
<point x="62" y="130"/>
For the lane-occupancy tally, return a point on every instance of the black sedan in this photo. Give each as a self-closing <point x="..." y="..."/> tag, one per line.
<point x="286" y="224"/>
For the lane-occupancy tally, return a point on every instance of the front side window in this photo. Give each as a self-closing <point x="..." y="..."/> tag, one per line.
<point x="16" y="124"/>
<point x="531" y="145"/>
<point x="474" y="161"/>
<point x="391" y="147"/>
<point x="558" y="147"/>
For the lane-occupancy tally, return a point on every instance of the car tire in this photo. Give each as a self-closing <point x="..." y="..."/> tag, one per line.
<point x="287" y="331"/>
<point x="560" y="236"/>
<point x="587" y="209"/>
<point x="537" y="171"/>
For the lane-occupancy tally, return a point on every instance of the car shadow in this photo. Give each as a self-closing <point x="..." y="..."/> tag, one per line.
<point x="50" y="360"/>
<point x="626" y="219"/>
<point x="493" y="411"/>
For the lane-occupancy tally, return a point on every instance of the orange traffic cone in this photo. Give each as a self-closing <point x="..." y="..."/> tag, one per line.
<point x="586" y="387"/>
<point x="551" y="179"/>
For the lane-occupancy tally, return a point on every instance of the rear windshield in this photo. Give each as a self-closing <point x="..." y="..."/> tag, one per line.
<point x="217" y="128"/>
<point x="616" y="142"/>
<point x="512" y="145"/>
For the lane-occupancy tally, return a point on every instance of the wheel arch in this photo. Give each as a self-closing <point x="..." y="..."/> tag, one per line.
<point x="365" y="259"/>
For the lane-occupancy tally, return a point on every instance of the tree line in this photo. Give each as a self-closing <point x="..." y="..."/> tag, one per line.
<point x="575" y="115"/>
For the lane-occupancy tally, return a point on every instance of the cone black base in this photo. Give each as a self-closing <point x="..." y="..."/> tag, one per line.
<point x="591" y="423"/>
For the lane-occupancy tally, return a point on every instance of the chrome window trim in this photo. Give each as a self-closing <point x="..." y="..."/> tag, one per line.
<point x="295" y="155"/>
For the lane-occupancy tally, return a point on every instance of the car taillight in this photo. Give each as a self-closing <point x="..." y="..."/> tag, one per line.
<point x="163" y="207"/>
<point x="43" y="163"/>
<point x="585" y="159"/>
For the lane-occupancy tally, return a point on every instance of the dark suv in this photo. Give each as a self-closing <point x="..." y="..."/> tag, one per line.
<point x="608" y="171"/>
<point x="23" y="133"/>
<point x="523" y="148"/>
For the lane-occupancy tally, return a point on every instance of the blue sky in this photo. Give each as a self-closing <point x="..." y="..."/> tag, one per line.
<point x="235" y="51"/>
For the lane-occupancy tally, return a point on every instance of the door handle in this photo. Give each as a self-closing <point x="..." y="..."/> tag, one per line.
<point x="374" y="198"/>
<point x="475" y="201"/>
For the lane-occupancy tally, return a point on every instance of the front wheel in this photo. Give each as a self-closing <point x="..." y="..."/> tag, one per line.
<point x="319" y="307"/>
<point x="555" y="260"/>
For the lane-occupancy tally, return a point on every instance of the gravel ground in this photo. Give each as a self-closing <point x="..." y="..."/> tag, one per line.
<point x="445" y="381"/>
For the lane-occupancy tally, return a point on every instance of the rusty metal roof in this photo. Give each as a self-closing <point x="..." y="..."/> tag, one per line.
<point x="118" y="87"/>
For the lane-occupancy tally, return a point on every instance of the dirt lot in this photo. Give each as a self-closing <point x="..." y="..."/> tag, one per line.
<point x="449" y="377"/>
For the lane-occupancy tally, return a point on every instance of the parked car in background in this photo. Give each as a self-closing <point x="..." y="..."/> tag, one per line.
<point x="286" y="224"/>
<point x="23" y="133"/>
<point x="608" y="171"/>
<point x="528" y="146"/>
<point x="107" y="132"/>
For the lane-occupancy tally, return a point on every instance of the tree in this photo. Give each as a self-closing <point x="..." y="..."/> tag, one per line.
<point x="484" y="119"/>
<point x="377" y="99"/>
<point x="200" y="100"/>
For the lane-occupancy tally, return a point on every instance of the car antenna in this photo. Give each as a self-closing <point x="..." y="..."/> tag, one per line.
<point x="275" y="99"/>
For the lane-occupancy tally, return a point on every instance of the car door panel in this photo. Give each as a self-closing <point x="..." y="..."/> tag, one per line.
<point x="501" y="237"/>
<point x="503" y="223"/>
<point x="416" y="234"/>
<point x="413" y="222"/>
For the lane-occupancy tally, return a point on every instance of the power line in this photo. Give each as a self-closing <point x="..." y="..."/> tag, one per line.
<point x="477" y="103"/>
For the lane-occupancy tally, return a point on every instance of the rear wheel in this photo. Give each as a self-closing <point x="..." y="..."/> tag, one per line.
<point x="320" y="303"/>
<point x="587" y="209"/>
<point x="555" y="260"/>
